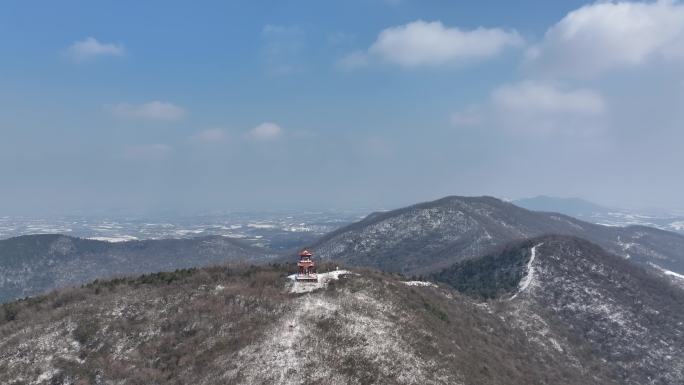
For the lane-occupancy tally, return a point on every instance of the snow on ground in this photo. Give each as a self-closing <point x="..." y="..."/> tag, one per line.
<point x="419" y="283"/>
<point x="295" y="350"/>
<point x="673" y="274"/>
<point x="261" y="225"/>
<point x="668" y="272"/>
<point x="323" y="279"/>
<point x="121" y="238"/>
<point x="677" y="226"/>
<point x="529" y="277"/>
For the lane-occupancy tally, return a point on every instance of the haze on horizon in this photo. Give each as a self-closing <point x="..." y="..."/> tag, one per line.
<point x="363" y="103"/>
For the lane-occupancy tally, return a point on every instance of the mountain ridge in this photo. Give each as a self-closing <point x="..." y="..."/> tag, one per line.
<point x="32" y="264"/>
<point x="425" y="237"/>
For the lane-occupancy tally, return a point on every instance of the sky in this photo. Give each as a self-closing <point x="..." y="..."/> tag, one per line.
<point x="162" y="105"/>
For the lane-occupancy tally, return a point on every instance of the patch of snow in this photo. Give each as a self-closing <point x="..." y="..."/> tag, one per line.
<point x="419" y="283"/>
<point x="261" y="226"/>
<point x="185" y="232"/>
<point x="117" y="239"/>
<point x="668" y="272"/>
<point x="673" y="274"/>
<point x="529" y="276"/>
<point x="47" y="375"/>
<point x="298" y="229"/>
<point x="323" y="279"/>
<point x="677" y="226"/>
<point x="234" y="235"/>
<point x="291" y="344"/>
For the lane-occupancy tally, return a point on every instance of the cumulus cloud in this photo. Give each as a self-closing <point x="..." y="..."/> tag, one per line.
<point x="422" y="43"/>
<point x="610" y="35"/>
<point x="154" y="110"/>
<point x="91" y="48"/>
<point x="265" y="132"/>
<point x="538" y="107"/>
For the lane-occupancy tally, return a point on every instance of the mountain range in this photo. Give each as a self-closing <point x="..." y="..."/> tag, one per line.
<point x="548" y="310"/>
<point x="415" y="240"/>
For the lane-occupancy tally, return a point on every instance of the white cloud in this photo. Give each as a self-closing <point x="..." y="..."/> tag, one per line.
<point x="265" y="132"/>
<point x="538" y="107"/>
<point x="148" y="151"/>
<point x="532" y="98"/>
<point x="91" y="48"/>
<point x="610" y="35"/>
<point x="211" y="136"/>
<point x="154" y="110"/>
<point x="422" y="43"/>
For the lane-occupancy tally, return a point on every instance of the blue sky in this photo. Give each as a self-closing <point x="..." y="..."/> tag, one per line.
<point x="377" y="103"/>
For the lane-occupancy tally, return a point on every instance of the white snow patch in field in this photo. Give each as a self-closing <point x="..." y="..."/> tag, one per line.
<point x="298" y="229"/>
<point x="529" y="277"/>
<point x="117" y="239"/>
<point x="261" y="225"/>
<point x="678" y="226"/>
<point x="419" y="283"/>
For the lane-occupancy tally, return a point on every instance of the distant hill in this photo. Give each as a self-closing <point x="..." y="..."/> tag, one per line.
<point x="429" y="236"/>
<point x="579" y="317"/>
<point x="591" y="212"/>
<point x="33" y="264"/>
<point x="574" y="207"/>
<point x="562" y="289"/>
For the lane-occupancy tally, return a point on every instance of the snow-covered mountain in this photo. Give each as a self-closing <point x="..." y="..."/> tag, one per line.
<point x="563" y="290"/>
<point x="433" y="235"/>
<point x="415" y="240"/>
<point x="571" y="315"/>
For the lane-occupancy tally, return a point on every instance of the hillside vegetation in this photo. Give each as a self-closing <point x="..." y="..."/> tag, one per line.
<point x="631" y="318"/>
<point x="427" y="237"/>
<point x="241" y="325"/>
<point x="33" y="264"/>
